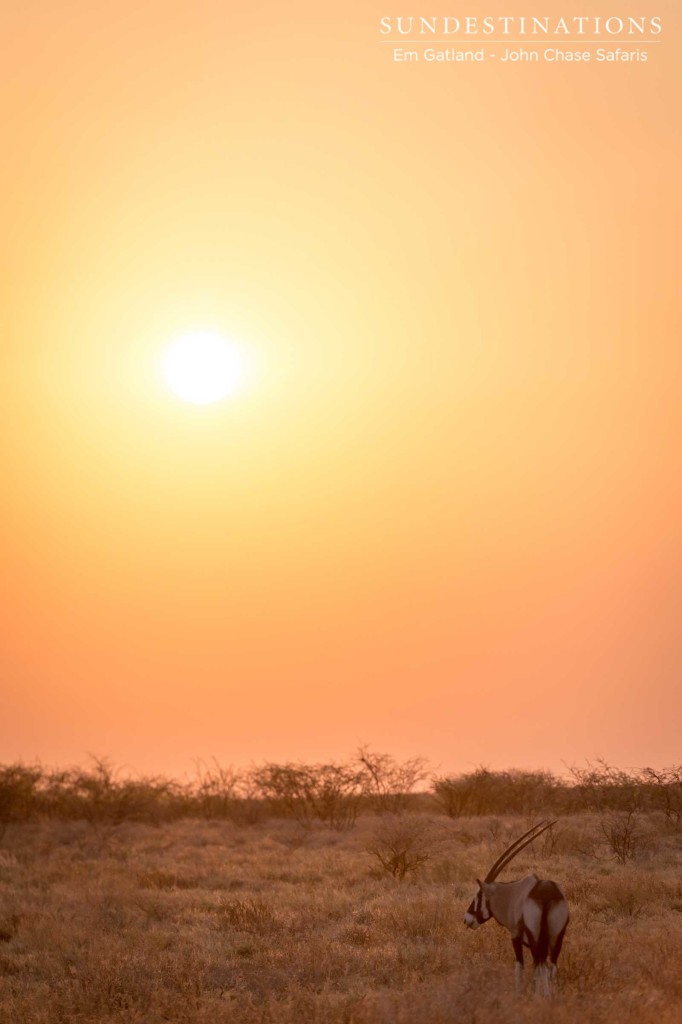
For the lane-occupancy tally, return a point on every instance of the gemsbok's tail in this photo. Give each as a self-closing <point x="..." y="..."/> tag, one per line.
<point x="546" y="895"/>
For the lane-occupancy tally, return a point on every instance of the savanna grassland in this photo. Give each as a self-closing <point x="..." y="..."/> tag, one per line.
<point x="272" y="919"/>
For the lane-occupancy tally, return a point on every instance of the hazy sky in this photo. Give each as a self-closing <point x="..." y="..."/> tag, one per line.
<point x="444" y="515"/>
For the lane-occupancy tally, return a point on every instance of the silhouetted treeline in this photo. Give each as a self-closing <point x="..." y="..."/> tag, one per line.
<point x="334" y="793"/>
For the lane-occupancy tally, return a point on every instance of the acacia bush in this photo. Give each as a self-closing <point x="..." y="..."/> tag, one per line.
<point x="601" y="787"/>
<point x="483" y="792"/>
<point x="387" y="783"/>
<point x="329" y="793"/>
<point x="18" y="783"/>
<point x="223" y="792"/>
<point x="664" y="788"/>
<point x="97" y="794"/>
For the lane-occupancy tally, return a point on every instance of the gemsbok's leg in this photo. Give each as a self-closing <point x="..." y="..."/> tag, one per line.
<point x="541" y="980"/>
<point x="558" y="922"/>
<point x="518" y="966"/>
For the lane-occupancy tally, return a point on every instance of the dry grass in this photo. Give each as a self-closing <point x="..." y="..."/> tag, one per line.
<point x="203" y="923"/>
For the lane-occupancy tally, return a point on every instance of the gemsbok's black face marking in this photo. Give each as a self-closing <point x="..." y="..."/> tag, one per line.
<point x="478" y="911"/>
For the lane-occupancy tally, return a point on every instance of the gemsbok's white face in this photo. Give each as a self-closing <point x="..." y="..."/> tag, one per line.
<point x="478" y="911"/>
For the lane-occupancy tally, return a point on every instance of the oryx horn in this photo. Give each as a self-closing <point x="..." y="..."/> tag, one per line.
<point x="516" y="847"/>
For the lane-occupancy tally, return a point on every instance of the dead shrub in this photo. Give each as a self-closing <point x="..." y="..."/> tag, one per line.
<point x="624" y="835"/>
<point x="402" y="845"/>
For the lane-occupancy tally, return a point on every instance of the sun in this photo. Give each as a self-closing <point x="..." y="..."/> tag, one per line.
<point x="203" y="367"/>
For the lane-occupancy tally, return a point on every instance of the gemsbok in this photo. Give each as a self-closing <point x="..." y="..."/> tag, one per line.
<point x="534" y="911"/>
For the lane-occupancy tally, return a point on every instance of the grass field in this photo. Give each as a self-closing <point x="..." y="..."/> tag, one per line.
<point x="199" y="922"/>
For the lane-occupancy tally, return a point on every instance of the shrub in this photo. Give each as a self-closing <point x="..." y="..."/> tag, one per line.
<point x="18" y="788"/>
<point x="497" y="792"/>
<point x="665" y="789"/>
<point x="402" y="845"/>
<point x="623" y="835"/>
<point x="221" y="792"/>
<point x="600" y="787"/>
<point x="329" y="793"/>
<point x="387" y="783"/>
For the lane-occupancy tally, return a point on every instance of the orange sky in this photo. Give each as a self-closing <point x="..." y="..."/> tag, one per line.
<point x="444" y="516"/>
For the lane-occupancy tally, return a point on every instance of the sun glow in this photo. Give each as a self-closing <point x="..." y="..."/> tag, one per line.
<point x="203" y="367"/>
